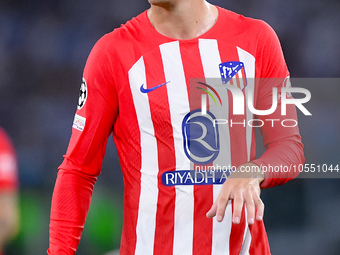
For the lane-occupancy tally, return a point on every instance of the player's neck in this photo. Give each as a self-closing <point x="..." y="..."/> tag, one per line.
<point x="183" y="20"/>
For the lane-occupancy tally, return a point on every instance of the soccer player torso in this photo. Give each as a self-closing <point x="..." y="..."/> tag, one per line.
<point x="144" y="87"/>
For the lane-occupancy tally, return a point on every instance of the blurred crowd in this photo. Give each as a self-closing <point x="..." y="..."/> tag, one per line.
<point x="43" y="49"/>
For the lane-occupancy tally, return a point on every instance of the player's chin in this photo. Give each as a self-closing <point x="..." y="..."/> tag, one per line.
<point x="161" y="2"/>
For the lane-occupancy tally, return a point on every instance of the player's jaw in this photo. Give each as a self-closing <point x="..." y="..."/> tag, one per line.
<point x="161" y="1"/>
<point x="165" y="3"/>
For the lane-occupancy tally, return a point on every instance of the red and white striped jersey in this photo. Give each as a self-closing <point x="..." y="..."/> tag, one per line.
<point x="8" y="164"/>
<point x="137" y="85"/>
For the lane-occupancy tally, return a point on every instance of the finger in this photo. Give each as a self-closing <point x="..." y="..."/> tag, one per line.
<point x="238" y="206"/>
<point x="259" y="208"/>
<point x="250" y="206"/>
<point x="212" y="212"/>
<point x="222" y="202"/>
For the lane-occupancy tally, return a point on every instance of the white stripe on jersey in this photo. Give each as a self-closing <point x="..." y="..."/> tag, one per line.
<point x="240" y="79"/>
<point x="246" y="242"/>
<point x="249" y="65"/>
<point x="210" y="60"/>
<point x="146" y="222"/>
<point x="179" y="107"/>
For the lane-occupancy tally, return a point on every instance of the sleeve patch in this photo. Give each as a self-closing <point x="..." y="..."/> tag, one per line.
<point x="82" y="94"/>
<point x="79" y="122"/>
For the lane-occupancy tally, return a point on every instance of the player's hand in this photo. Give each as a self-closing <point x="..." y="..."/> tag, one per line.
<point x="244" y="189"/>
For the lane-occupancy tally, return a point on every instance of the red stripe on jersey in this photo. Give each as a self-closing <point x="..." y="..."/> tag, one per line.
<point x="160" y="114"/>
<point x="238" y="142"/>
<point x="237" y="234"/>
<point x="203" y="194"/>
<point x="244" y="77"/>
<point x="259" y="242"/>
<point x="231" y="81"/>
<point x="130" y="159"/>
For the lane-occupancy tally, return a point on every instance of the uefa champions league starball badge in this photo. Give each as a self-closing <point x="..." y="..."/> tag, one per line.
<point x="82" y="94"/>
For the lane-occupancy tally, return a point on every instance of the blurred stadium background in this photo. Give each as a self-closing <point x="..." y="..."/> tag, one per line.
<point x="43" y="49"/>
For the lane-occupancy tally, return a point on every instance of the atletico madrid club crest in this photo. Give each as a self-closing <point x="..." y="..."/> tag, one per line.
<point x="82" y="94"/>
<point x="234" y="73"/>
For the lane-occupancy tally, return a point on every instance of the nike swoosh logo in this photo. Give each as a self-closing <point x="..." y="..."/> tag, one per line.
<point x="144" y="90"/>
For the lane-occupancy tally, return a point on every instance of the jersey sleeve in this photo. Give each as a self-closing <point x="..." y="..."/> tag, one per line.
<point x="96" y="113"/>
<point x="281" y="137"/>
<point x="8" y="164"/>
